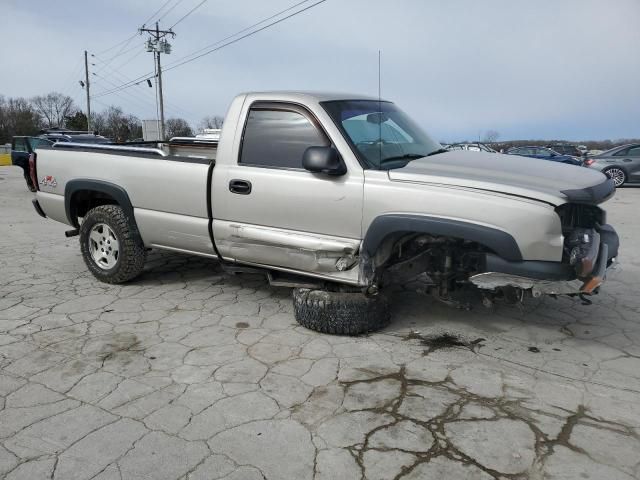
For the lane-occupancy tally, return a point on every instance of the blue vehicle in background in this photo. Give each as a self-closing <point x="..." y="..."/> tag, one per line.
<point x="544" y="153"/>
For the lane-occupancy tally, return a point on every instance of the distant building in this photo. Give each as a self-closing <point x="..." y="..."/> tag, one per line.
<point x="150" y="130"/>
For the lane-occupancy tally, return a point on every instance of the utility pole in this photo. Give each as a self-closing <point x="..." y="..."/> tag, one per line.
<point x="161" y="100"/>
<point x="157" y="44"/>
<point x="86" y="79"/>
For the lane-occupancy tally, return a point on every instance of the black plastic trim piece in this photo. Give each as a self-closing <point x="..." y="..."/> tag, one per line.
<point x="609" y="237"/>
<point x="212" y="164"/>
<point x="539" y="270"/>
<point x="592" y="195"/>
<point x="116" y="192"/>
<point x="498" y="241"/>
<point x="38" y="208"/>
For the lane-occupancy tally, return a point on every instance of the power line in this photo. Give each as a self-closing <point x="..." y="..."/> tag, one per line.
<point x="131" y="96"/>
<point x="170" y="10"/>
<point x="188" y="13"/>
<point x="180" y="62"/>
<point x="242" y="31"/>
<point x="127" y="40"/>
<point x="244" y="36"/>
<point x="156" y="13"/>
<point x="150" y="97"/>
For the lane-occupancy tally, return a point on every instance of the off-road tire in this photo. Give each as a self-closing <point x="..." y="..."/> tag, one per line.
<point x="132" y="253"/>
<point x="340" y="313"/>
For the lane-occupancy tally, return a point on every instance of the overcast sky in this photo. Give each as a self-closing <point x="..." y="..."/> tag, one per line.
<point x="528" y="69"/>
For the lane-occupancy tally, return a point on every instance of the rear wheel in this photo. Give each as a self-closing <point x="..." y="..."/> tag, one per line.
<point x="111" y="250"/>
<point x="340" y="313"/>
<point x="618" y="175"/>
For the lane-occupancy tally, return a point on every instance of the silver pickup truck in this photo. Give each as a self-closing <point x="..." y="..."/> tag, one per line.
<point x="338" y="196"/>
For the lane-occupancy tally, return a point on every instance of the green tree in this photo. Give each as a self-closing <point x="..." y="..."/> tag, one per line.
<point x="77" y="121"/>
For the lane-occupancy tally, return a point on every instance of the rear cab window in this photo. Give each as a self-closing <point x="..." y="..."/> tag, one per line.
<point x="276" y="136"/>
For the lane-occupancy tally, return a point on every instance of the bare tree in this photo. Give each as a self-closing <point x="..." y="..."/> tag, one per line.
<point x="115" y="124"/>
<point x="53" y="107"/>
<point x="491" y="136"/>
<point x="17" y="117"/>
<point x="178" y="127"/>
<point x="214" y="121"/>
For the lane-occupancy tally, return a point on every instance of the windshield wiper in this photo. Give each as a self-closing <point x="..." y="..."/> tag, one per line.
<point x="406" y="156"/>
<point x="435" y="152"/>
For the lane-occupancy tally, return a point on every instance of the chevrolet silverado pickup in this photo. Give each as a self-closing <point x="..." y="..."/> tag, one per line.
<point x="338" y="196"/>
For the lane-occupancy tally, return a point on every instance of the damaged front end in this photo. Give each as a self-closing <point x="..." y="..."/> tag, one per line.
<point x="590" y="250"/>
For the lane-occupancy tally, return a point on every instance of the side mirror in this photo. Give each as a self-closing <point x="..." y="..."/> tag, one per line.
<point x="323" y="160"/>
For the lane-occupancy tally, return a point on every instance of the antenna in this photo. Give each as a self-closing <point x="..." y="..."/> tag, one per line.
<point x="380" y="106"/>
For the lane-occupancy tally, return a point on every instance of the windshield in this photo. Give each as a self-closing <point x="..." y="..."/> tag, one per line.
<point x="382" y="136"/>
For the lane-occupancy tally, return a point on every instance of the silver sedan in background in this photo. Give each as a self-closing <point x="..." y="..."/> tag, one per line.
<point x="622" y="164"/>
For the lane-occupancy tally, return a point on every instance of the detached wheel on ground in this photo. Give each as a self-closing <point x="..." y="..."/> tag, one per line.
<point x="112" y="251"/>
<point x="340" y="313"/>
<point x="617" y="174"/>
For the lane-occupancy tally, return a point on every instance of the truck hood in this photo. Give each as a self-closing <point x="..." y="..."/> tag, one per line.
<point x="550" y="182"/>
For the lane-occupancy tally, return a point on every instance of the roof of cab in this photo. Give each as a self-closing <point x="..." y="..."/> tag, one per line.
<point x="317" y="96"/>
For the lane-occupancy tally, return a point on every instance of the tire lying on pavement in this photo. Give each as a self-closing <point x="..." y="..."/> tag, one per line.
<point x="340" y="313"/>
<point x="112" y="251"/>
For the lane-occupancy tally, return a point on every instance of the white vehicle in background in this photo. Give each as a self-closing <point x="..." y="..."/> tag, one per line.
<point x="210" y="133"/>
<point x="472" y="147"/>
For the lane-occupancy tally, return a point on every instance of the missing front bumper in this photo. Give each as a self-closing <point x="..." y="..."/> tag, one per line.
<point x="550" y="278"/>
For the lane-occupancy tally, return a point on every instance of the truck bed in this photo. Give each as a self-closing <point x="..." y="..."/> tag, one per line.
<point x="167" y="192"/>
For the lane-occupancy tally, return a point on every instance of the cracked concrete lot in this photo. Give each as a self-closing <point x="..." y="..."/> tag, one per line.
<point x="187" y="373"/>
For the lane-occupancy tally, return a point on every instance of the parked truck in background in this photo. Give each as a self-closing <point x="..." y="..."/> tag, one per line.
<point x="339" y="196"/>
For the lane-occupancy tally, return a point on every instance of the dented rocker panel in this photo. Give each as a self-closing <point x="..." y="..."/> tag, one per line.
<point x="297" y="251"/>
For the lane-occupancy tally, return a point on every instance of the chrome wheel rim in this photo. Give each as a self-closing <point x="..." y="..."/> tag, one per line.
<point x="104" y="246"/>
<point x="617" y="175"/>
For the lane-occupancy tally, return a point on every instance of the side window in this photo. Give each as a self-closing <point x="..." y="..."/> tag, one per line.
<point x="543" y="152"/>
<point x="634" y="152"/>
<point x="278" y="138"/>
<point x="621" y="153"/>
<point x="20" y="145"/>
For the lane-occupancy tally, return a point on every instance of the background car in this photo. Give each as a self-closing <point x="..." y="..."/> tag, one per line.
<point x="622" y="164"/>
<point x="76" y="137"/>
<point x="544" y="153"/>
<point x="566" y="149"/>
<point x="474" y="147"/>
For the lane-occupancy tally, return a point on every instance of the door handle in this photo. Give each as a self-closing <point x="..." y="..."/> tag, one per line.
<point x="627" y="160"/>
<point x="241" y="187"/>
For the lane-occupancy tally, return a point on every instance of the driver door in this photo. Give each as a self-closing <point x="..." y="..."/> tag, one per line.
<point x="276" y="213"/>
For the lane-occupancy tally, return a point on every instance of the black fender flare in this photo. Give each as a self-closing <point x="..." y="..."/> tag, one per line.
<point x="500" y="242"/>
<point x="118" y="193"/>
